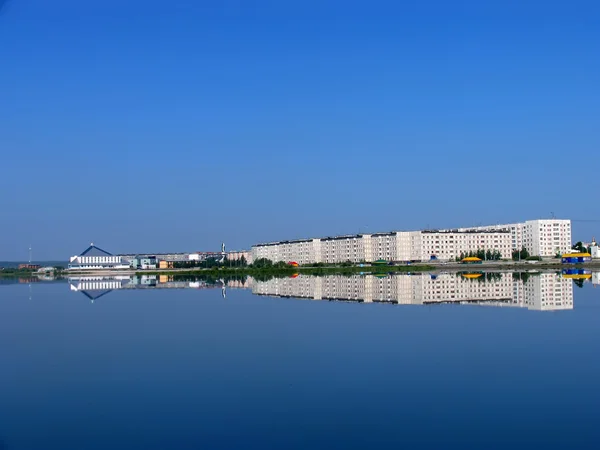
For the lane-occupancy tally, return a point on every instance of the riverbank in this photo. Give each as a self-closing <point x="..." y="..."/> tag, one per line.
<point x="252" y="271"/>
<point x="506" y="266"/>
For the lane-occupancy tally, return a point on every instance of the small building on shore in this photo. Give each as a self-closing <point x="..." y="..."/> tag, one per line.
<point x="29" y="266"/>
<point x="165" y="264"/>
<point x="143" y="262"/>
<point x="94" y="258"/>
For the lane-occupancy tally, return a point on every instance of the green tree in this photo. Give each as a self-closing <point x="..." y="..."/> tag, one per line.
<point x="262" y="263"/>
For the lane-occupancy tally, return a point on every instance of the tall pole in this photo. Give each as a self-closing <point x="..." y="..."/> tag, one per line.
<point x="29" y="253"/>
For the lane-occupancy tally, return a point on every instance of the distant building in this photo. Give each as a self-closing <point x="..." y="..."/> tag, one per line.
<point x="159" y="256"/>
<point x="143" y="262"/>
<point x="94" y="258"/>
<point x="237" y="255"/>
<point x="29" y="266"/>
<point x="541" y="237"/>
<point x="594" y="249"/>
<point x="394" y="246"/>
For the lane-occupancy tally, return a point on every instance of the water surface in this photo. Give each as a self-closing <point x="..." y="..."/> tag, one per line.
<point x="135" y="366"/>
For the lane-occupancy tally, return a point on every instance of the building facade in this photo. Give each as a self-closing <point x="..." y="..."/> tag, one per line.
<point x="544" y="237"/>
<point x="94" y="258"/>
<point x="238" y="255"/>
<point x="541" y="237"/>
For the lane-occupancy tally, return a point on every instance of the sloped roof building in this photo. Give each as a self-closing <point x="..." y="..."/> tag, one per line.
<point x="95" y="258"/>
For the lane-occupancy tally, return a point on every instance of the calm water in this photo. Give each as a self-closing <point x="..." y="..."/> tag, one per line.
<point x="133" y="364"/>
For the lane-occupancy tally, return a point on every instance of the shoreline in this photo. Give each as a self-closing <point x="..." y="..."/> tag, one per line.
<point x="505" y="266"/>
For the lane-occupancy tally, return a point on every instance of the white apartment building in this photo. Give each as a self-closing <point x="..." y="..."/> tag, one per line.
<point x="447" y="245"/>
<point x="354" y="248"/>
<point x="543" y="237"/>
<point x="268" y="251"/>
<point x="394" y="246"/>
<point x="547" y="237"/>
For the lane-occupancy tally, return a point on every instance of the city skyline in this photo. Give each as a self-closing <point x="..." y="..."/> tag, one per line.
<point x="516" y="234"/>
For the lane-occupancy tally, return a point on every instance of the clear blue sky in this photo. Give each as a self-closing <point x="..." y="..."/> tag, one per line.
<point x="174" y="126"/>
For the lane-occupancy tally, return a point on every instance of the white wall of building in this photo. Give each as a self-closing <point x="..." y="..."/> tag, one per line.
<point x="544" y="237"/>
<point x="541" y="237"/>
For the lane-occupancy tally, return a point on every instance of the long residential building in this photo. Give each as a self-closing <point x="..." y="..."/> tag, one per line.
<point x="543" y="238"/>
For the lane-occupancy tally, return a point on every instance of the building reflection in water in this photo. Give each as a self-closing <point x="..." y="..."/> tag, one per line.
<point x="542" y="291"/>
<point x="536" y="291"/>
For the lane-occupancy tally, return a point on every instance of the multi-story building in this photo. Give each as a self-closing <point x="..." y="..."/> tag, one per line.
<point x="267" y="251"/>
<point x="238" y="255"/>
<point x="450" y="244"/>
<point x="547" y="237"/>
<point x="541" y="237"/>
<point x="394" y="246"/>
<point x="353" y="248"/>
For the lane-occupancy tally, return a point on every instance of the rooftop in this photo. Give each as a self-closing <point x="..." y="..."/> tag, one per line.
<point x="92" y="250"/>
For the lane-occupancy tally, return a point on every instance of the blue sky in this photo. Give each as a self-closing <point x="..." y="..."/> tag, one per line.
<point x="174" y="126"/>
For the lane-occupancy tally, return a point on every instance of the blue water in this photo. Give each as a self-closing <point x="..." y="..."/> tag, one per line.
<point x="188" y="369"/>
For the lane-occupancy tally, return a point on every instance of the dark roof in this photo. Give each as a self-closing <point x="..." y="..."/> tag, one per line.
<point x="92" y="250"/>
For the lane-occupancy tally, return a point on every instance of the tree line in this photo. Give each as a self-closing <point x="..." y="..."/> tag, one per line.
<point x="488" y="255"/>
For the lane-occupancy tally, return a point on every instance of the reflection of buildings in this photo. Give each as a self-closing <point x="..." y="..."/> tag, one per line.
<point x="96" y="287"/>
<point x="540" y="291"/>
<point x="545" y="291"/>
